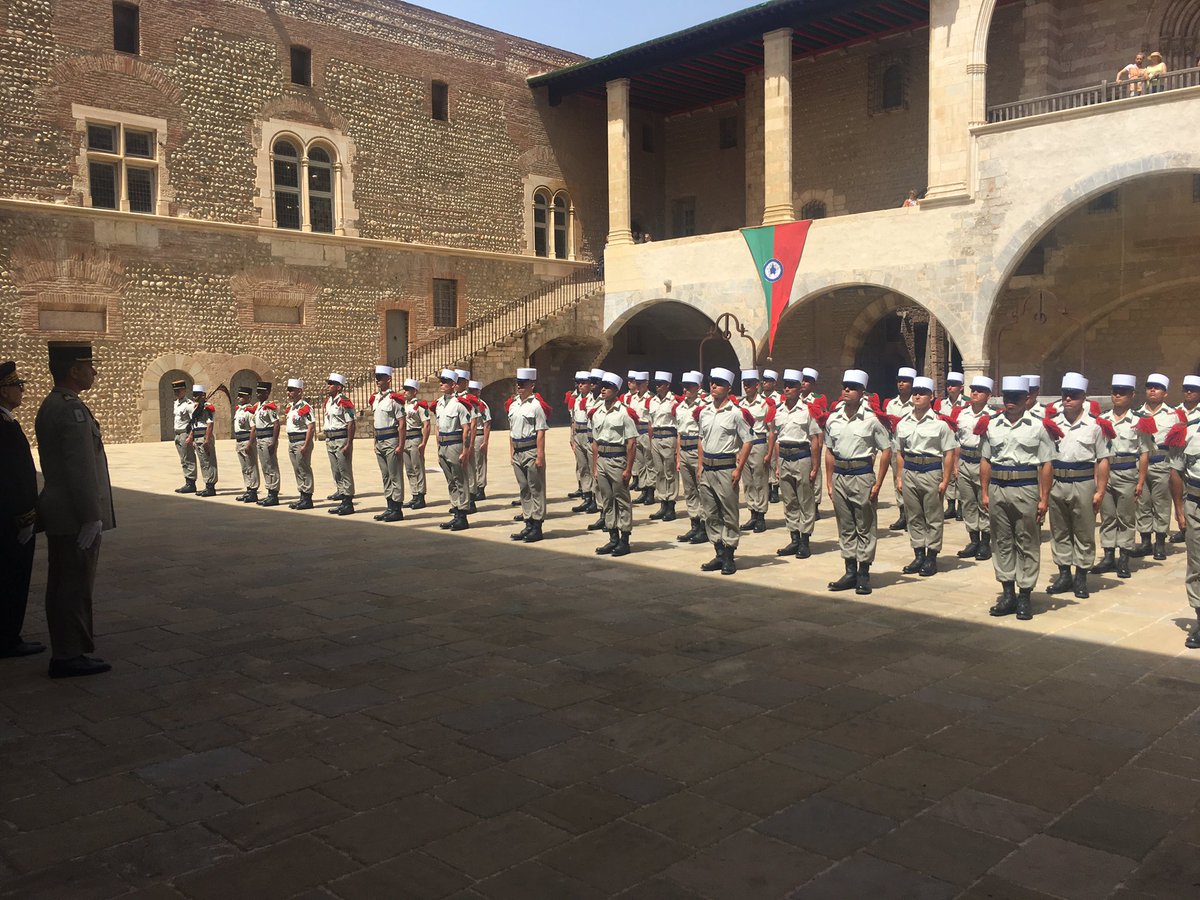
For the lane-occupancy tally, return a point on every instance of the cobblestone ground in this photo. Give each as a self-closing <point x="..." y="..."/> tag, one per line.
<point x="304" y="705"/>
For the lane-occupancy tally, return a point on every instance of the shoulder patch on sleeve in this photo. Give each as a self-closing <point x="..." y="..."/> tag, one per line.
<point x="79" y="416"/>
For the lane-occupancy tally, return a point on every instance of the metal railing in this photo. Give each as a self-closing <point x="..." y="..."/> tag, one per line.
<point x="1104" y="92"/>
<point x="501" y="324"/>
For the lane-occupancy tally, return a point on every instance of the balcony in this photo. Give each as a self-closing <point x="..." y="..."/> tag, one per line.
<point x="1105" y="92"/>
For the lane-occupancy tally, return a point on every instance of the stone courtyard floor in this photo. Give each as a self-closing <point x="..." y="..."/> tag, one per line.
<point x="302" y="705"/>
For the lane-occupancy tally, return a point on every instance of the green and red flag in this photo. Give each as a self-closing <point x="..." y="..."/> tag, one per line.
<point x="776" y="250"/>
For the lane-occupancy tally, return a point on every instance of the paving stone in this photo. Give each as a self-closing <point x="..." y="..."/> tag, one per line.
<point x="164" y="856"/>
<point x="277" y="778"/>
<point x="1135" y="786"/>
<point x="747" y="865"/>
<point x="491" y="792"/>
<point x="532" y="879"/>
<point x="79" y="879"/>
<point x="580" y="808"/>
<point x="691" y="819"/>
<point x="521" y="737"/>
<point x="409" y="876"/>
<point x="942" y="850"/>
<point x="824" y="826"/>
<point x="638" y="785"/>
<point x="407" y="824"/>
<point x="369" y="788"/>
<point x="273" y="820"/>
<point x="1046" y="786"/>
<point x="44" y="810"/>
<point x="352" y="699"/>
<point x="569" y="762"/>
<point x="992" y="815"/>
<point x="1173" y="870"/>
<point x="190" y="804"/>
<point x="864" y="875"/>
<point x="876" y="798"/>
<point x="31" y="850"/>
<point x="1098" y="822"/>
<point x="921" y="772"/>
<point x="589" y="858"/>
<point x="760" y="787"/>
<point x="194" y="768"/>
<point x="821" y="759"/>
<point x="280" y="871"/>
<point x="1064" y="869"/>
<point x="487" y="847"/>
<point x="696" y="760"/>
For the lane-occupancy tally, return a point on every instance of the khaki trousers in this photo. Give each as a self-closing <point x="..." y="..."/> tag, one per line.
<point x="532" y="482"/>
<point x="924" y="510"/>
<point x="391" y="469"/>
<point x="1191" y="580"/>
<point x="248" y="460"/>
<point x="341" y="467"/>
<point x="719" y="505"/>
<point x="754" y="476"/>
<point x="690" y="483"/>
<point x="1073" y="523"/>
<point x="969" y="490"/>
<point x="1154" y="509"/>
<point x="187" y="455"/>
<point x="641" y="460"/>
<point x="206" y="456"/>
<point x="477" y="474"/>
<point x="456" y="475"/>
<point x="855" y="515"/>
<point x="414" y="463"/>
<point x="301" y="466"/>
<point x="1016" y="535"/>
<point x="581" y="445"/>
<point x="612" y="494"/>
<point x="952" y="486"/>
<point x="1118" y="510"/>
<point x="70" y="582"/>
<point x="666" y="478"/>
<point x="268" y="458"/>
<point x="796" y="492"/>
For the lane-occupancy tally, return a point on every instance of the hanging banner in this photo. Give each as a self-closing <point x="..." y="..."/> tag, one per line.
<point x="776" y="250"/>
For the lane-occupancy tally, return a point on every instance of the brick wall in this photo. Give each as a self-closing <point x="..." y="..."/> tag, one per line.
<point x="698" y="167"/>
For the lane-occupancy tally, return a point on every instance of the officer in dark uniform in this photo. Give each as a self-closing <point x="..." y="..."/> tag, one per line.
<point x="18" y="496"/>
<point x="75" y="506"/>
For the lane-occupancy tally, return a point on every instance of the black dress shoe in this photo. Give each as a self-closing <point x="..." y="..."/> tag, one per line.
<point x="77" y="667"/>
<point x="22" y="648"/>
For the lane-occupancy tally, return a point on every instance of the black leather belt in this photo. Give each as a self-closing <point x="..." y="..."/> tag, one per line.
<point x="336" y="433"/>
<point x="384" y="434"/>
<point x="525" y="443"/>
<point x="242" y="435"/>
<point x="296" y="436"/>
<point x="264" y="432"/>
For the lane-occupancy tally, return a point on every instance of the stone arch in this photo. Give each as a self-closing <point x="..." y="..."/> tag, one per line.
<point x="115" y="64"/>
<point x="149" y="412"/>
<point x="1173" y="27"/>
<point x="742" y="349"/>
<point x="1057" y="208"/>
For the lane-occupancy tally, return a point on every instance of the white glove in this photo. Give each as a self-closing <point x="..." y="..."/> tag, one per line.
<point x="88" y="534"/>
<point x="24" y="534"/>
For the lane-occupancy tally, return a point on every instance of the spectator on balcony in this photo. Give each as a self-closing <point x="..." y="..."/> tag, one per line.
<point x="911" y="199"/>
<point x="1134" y="73"/>
<point x="1155" y="73"/>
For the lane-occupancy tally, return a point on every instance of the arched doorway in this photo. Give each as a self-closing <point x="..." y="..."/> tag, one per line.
<point x="1107" y="286"/>
<point x="557" y="361"/>
<point x="667" y="335"/>
<point x="166" y="402"/>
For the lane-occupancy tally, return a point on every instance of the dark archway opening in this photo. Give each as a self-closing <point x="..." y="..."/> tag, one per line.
<point x="667" y="336"/>
<point x="166" y="402"/>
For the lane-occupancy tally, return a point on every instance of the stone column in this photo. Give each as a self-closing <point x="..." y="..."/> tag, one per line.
<point x="618" y="163"/>
<point x="305" y="221"/>
<point x="777" y="127"/>
<point x="957" y="80"/>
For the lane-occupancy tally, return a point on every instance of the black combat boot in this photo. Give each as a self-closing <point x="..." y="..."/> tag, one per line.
<point x="481" y="494"/>
<point x="918" y="560"/>
<point x="189" y="486"/>
<point x="1062" y="581"/>
<point x="929" y="567"/>
<point x="241" y="498"/>
<point x="662" y="512"/>
<point x="471" y="507"/>
<point x="1024" y="605"/>
<point x="773" y="494"/>
<point x="460" y="522"/>
<point x="393" y="513"/>
<point x="521" y="535"/>
<point x="345" y="508"/>
<point x="901" y="524"/>
<point x="272" y="499"/>
<point x="1142" y="549"/>
<point x="951" y="509"/>
<point x="575" y="495"/>
<point x="535" y="533"/>
<point x="1160" y="546"/>
<point x="1123" y="564"/>
<point x="614" y="538"/>
<point x="1007" y="604"/>
<point x="305" y="502"/>
<point x="251" y="496"/>
<point x="622" y="548"/>
<point x="803" y="551"/>
<point x="445" y="526"/>
<point x="598" y="525"/>
<point x="1193" y="638"/>
<point x="210" y="490"/>
<point x="648" y="499"/>
<point x="1108" y="562"/>
<point x="791" y="547"/>
<point x="687" y="536"/>
<point x="862" y="584"/>
<point x="848" y="580"/>
<point x="701" y="535"/>
<point x="591" y="504"/>
<point x="417" y="502"/>
<point x="337" y="498"/>
<point x="1081" y="585"/>
<point x="972" y="548"/>
<point x="985" y="546"/>
<point x="670" y="514"/>
<point x="728" y="565"/>
<point x="582" y="506"/>
<point x="1179" y="537"/>
<point x="718" y="559"/>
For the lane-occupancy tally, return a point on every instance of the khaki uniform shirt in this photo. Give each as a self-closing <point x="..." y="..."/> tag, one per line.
<point x="415" y="415"/>
<point x="339" y="412"/>
<point x="685" y="419"/>
<point x="857" y="436"/>
<point x="613" y="425"/>
<point x="1025" y="443"/>
<point x="795" y="425"/>
<point x="898" y="408"/>
<point x="266" y="414"/>
<point x="387" y="410"/>
<point x="581" y="405"/>
<point x="1164" y="419"/>
<point x="202" y="421"/>
<point x="1081" y="442"/>
<point x="526" y="418"/>
<point x="661" y="412"/>
<point x="927" y="436"/>
<point x="1129" y="441"/>
<point x="243" y="418"/>
<point x="1186" y="461"/>
<point x="763" y="411"/>
<point x="452" y="415"/>
<point x="483" y="412"/>
<point x="299" y="417"/>
<point x="183" y="410"/>
<point x="724" y="429"/>
<point x="965" y="428"/>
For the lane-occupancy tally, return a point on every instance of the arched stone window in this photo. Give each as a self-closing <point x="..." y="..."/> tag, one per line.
<point x="285" y="167"/>
<point x="541" y="223"/>
<point x="562" y="226"/>
<point x="320" y="189"/>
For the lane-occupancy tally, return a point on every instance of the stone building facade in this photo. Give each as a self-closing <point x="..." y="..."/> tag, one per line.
<point x="142" y="206"/>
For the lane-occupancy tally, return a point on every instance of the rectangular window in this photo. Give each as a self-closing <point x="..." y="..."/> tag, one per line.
<point x="139" y="185"/>
<point x="320" y="210"/>
<point x="102" y="138"/>
<point x="287" y="209"/>
<point x="728" y="132"/>
<point x="441" y="101"/>
<point x="102" y="178"/>
<point x="445" y="303"/>
<point x="301" y="65"/>
<point x="139" y="144"/>
<point x="127" y="37"/>
<point x="683" y="217"/>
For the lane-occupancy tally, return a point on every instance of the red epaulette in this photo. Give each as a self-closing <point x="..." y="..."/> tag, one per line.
<point x="1052" y="427"/>
<point x="304" y="410"/>
<point x="675" y="405"/>
<point x="400" y="398"/>
<point x="677" y="397"/>
<point x="1106" y="428"/>
<point x="592" y="412"/>
<point x="545" y="406"/>
<point x="1146" y="425"/>
<point x="1095" y="408"/>
<point x="1051" y="411"/>
<point x="981" y="424"/>
<point x="371" y="400"/>
<point x="696" y="412"/>
<point x="253" y="407"/>
<point x="822" y="402"/>
<point x="345" y="403"/>
<point x="508" y="403"/>
<point x="874" y="402"/>
<point x="949" y="420"/>
<point x="747" y="415"/>
<point x="1176" y="437"/>
<point x="889" y="422"/>
<point x="1181" y="415"/>
<point x="770" y="416"/>
<point x="210" y="407"/>
<point x="569" y="399"/>
<point x="632" y="413"/>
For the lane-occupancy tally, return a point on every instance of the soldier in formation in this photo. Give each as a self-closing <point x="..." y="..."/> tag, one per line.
<point x="339" y="426"/>
<point x="244" y="438"/>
